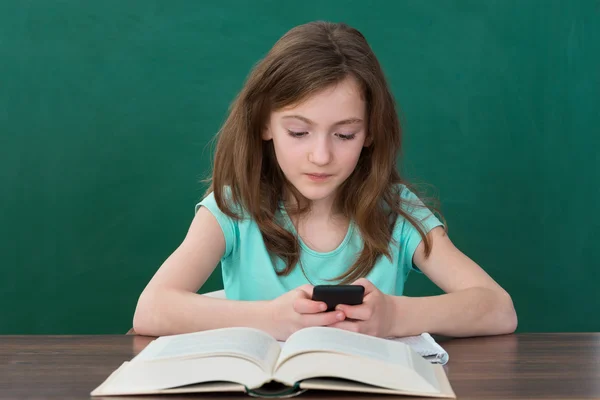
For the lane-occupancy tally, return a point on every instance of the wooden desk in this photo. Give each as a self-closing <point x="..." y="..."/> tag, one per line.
<point x="523" y="366"/>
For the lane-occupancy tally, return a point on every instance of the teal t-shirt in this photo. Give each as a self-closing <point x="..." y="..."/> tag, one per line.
<point x="249" y="272"/>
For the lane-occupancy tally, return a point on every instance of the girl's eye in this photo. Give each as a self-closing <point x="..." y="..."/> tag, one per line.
<point x="296" y="134"/>
<point x="339" y="135"/>
<point x="346" y="137"/>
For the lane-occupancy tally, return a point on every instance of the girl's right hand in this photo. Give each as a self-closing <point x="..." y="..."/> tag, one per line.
<point x="295" y="310"/>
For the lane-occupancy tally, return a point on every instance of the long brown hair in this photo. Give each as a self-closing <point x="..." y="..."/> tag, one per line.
<point x="306" y="60"/>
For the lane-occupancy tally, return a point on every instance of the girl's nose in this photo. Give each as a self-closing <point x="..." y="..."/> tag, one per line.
<point x="321" y="152"/>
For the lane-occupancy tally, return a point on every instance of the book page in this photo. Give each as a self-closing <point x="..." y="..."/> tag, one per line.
<point x="340" y="341"/>
<point x="183" y="375"/>
<point x="248" y="343"/>
<point x="424" y="344"/>
<point x="446" y="390"/>
<point x="330" y="352"/>
<point x="417" y="378"/>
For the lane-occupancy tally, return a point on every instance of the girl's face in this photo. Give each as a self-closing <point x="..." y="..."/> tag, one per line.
<point x="318" y="142"/>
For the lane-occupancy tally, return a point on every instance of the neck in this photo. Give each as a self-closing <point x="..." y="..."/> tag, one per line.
<point x="323" y="210"/>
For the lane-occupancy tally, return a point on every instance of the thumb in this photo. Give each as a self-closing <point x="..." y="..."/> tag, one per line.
<point x="305" y="291"/>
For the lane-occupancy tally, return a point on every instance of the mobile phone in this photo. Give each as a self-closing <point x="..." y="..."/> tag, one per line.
<point x="332" y="295"/>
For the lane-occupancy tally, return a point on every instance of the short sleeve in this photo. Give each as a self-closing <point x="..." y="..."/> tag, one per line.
<point x="409" y="237"/>
<point x="228" y="224"/>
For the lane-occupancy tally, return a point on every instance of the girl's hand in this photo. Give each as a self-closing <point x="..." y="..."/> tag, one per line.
<point x="374" y="317"/>
<point x="295" y="310"/>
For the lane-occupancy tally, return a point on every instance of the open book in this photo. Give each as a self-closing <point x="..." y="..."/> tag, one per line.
<point x="250" y="360"/>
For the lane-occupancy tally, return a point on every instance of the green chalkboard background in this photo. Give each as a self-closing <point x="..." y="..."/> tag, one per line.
<point x="107" y="109"/>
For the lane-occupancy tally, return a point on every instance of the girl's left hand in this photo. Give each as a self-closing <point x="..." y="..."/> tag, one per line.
<point x="373" y="317"/>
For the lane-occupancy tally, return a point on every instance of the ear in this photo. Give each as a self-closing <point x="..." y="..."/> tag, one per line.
<point x="266" y="133"/>
<point x="368" y="140"/>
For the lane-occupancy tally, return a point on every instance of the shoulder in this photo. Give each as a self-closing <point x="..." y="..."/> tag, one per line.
<point x="227" y="214"/>
<point x="221" y="202"/>
<point x="407" y="203"/>
<point x="409" y="197"/>
<point x="413" y="212"/>
<point x="415" y="220"/>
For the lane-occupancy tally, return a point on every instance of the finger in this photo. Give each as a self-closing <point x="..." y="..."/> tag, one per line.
<point x="369" y="287"/>
<point x="361" y="312"/>
<point x="307" y="290"/>
<point x="347" y="326"/>
<point x="323" y="319"/>
<point x="308" y="306"/>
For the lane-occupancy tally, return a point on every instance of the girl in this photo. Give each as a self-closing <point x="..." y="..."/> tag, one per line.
<point x="305" y="191"/>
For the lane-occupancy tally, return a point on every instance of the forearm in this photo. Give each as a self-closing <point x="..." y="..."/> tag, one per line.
<point x="166" y="312"/>
<point x="470" y="312"/>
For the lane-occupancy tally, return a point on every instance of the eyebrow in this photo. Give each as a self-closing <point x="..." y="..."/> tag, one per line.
<point x="342" y="122"/>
